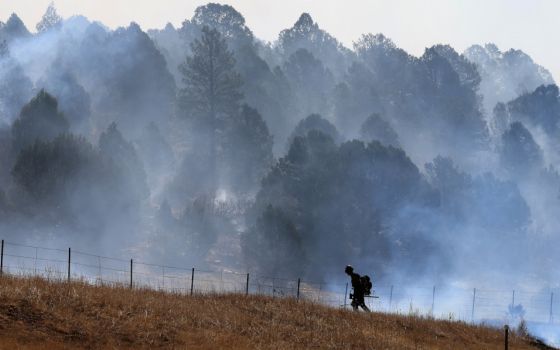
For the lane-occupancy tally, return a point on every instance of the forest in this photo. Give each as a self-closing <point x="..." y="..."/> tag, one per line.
<point x="203" y="144"/>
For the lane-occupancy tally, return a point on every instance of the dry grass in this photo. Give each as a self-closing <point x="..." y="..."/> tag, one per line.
<point x="35" y="313"/>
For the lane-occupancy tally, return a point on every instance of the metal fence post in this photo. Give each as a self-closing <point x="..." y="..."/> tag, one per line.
<point x="551" y="298"/>
<point x="192" y="281"/>
<point x="69" y="261"/>
<point x="345" y="294"/>
<point x="247" y="285"/>
<point x="35" y="262"/>
<point x="473" y="300"/>
<point x="131" y="273"/>
<point x="2" y="259"/>
<point x="433" y="299"/>
<point x="99" y="270"/>
<point x="298" y="283"/>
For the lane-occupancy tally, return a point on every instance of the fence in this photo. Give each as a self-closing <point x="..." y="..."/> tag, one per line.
<point x="472" y="305"/>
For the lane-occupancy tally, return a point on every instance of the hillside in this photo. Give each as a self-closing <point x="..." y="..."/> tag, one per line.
<point x="35" y="313"/>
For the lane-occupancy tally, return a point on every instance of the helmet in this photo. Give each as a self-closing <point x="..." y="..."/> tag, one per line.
<point x="349" y="269"/>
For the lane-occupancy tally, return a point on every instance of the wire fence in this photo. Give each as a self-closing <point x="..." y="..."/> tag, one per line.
<point x="466" y="304"/>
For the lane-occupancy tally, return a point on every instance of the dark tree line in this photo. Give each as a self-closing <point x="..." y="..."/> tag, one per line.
<point x="303" y="153"/>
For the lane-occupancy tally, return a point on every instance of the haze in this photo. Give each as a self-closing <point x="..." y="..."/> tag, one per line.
<point x="248" y="138"/>
<point x="412" y="25"/>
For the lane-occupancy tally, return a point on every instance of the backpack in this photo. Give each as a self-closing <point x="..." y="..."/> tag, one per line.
<point x="366" y="284"/>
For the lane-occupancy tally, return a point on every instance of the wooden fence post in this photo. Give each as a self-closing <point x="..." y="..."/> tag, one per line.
<point x="298" y="283"/>
<point x="506" y="340"/>
<point x="131" y="273"/>
<point x="247" y="285"/>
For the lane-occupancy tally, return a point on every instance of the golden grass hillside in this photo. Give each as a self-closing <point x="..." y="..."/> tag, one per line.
<point x="37" y="314"/>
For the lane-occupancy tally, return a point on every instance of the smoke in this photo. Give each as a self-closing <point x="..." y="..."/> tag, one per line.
<point x="421" y="171"/>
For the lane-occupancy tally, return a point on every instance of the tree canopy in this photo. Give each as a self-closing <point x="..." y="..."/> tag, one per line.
<point x="50" y="19"/>
<point x="39" y="119"/>
<point x="211" y="85"/>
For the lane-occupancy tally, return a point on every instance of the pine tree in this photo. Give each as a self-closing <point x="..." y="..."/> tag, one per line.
<point x="40" y="119"/>
<point x="211" y="85"/>
<point x="50" y="19"/>
<point x="519" y="153"/>
<point x="113" y="145"/>
<point x="211" y="92"/>
<point x="377" y="128"/>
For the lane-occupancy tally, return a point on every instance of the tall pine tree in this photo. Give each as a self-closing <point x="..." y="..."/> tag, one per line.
<point x="50" y="19"/>
<point x="211" y="92"/>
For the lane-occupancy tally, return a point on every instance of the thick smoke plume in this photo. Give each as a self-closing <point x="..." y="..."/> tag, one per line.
<point x="205" y="145"/>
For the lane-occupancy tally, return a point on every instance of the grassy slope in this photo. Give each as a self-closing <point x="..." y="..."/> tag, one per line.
<point x="35" y="313"/>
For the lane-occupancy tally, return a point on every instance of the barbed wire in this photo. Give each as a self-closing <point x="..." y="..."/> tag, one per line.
<point x="462" y="302"/>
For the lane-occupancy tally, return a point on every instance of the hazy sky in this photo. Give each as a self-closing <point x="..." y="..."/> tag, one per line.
<point x="530" y="25"/>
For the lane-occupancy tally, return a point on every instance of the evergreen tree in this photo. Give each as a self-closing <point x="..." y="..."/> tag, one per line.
<point x="50" y="19"/>
<point x="68" y="182"/>
<point x="113" y="146"/>
<point x="211" y="92"/>
<point x="311" y="80"/>
<point x="275" y="245"/>
<point x="226" y="20"/>
<point x="40" y="119"/>
<point x="501" y="119"/>
<point x="329" y="202"/>
<point x="131" y="89"/>
<point x="519" y="153"/>
<point x="505" y="75"/>
<point x="47" y="168"/>
<point x="538" y="108"/>
<point x="306" y="34"/>
<point x="317" y="123"/>
<point x="73" y="99"/>
<point x="211" y="85"/>
<point x="14" y="29"/>
<point x="376" y="128"/>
